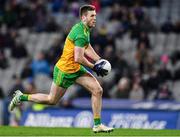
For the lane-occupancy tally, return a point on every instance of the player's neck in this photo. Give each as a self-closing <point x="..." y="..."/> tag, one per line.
<point x="85" y="24"/>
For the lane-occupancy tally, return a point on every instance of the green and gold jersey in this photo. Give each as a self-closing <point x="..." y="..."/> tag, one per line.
<point x="78" y="36"/>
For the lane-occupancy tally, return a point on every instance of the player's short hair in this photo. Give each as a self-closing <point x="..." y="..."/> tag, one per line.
<point x="83" y="9"/>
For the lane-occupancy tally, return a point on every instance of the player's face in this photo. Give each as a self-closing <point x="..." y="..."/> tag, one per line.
<point x="91" y="18"/>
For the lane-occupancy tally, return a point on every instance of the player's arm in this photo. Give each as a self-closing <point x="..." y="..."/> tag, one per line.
<point x="80" y="58"/>
<point x="89" y="51"/>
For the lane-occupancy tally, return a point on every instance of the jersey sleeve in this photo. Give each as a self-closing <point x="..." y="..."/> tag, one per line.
<point x="80" y="41"/>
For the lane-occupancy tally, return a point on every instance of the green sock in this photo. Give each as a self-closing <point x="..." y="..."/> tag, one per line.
<point x="97" y="121"/>
<point x="24" y="97"/>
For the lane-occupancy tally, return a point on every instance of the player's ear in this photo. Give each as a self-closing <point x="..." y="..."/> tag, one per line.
<point x="83" y="18"/>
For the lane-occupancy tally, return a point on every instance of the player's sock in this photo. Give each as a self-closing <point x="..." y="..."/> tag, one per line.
<point x="24" y="97"/>
<point x="97" y="121"/>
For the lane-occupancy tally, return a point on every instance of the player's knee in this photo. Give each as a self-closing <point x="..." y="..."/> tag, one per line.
<point x="52" y="101"/>
<point x="99" y="91"/>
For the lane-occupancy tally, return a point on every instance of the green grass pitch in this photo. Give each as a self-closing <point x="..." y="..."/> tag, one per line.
<point x="42" y="131"/>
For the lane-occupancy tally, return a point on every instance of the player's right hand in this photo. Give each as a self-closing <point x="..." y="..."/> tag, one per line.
<point x="98" y="68"/>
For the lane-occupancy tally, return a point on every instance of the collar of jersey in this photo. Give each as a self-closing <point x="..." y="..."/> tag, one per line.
<point x="85" y="26"/>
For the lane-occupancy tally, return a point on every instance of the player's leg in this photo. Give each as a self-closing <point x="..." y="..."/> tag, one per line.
<point x="52" y="98"/>
<point x="91" y="84"/>
<point x="56" y="92"/>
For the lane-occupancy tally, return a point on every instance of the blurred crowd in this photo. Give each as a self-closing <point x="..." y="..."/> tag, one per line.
<point x="148" y="78"/>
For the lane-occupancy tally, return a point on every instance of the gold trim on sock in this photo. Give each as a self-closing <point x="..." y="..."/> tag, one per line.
<point x="96" y="117"/>
<point x="29" y="96"/>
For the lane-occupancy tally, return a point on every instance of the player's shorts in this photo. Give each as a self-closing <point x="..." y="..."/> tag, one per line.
<point x="65" y="80"/>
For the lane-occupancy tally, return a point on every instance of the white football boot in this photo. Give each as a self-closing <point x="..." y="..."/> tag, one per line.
<point x="15" y="101"/>
<point x="102" y="128"/>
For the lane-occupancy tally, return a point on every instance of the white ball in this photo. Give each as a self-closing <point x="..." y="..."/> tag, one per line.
<point x="106" y="65"/>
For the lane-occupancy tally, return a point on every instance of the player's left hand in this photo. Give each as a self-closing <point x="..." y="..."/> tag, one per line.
<point x="98" y="68"/>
